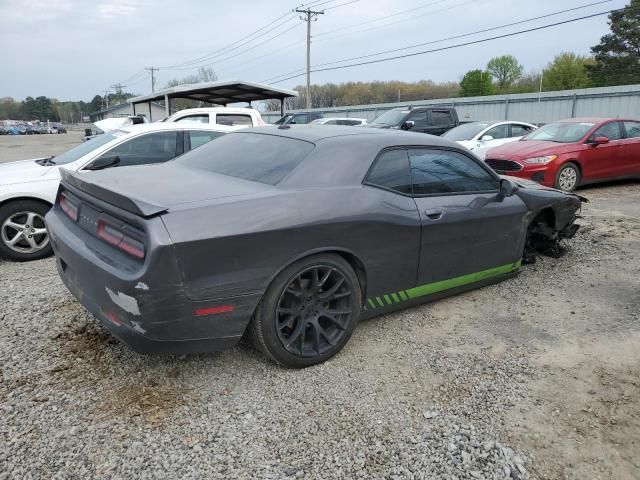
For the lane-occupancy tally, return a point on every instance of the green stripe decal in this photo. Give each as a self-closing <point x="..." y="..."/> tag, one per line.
<point x="442" y="285"/>
<point x="436" y="287"/>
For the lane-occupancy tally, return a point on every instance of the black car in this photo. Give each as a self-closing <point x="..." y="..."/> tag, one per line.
<point x="435" y="121"/>
<point x="291" y="234"/>
<point x="301" y="118"/>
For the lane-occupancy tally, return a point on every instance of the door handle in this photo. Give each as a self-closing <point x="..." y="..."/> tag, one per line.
<point x="434" y="214"/>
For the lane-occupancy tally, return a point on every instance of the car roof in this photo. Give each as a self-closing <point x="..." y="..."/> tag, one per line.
<point x="318" y="133"/>
<point x="216" y="110"/>
<point x="594" y="119"/>
<point x="161" y="126"/>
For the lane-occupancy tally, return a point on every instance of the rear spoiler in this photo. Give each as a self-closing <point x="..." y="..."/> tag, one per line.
<point x="133" y="205"/>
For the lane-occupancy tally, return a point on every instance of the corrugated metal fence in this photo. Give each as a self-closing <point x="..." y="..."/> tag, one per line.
<point x="622" y="101"/>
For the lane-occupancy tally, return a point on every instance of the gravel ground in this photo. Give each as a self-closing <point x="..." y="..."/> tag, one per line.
<point x="536" y="377"/>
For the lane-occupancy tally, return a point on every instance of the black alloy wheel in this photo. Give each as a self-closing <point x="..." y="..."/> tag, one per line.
<point x="308" y="312"/>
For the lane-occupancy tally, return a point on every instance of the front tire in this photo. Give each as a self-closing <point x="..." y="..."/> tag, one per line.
<point x="568" y="177"/>
<point x="23" y="234"/>
<point x="309" y="311"/>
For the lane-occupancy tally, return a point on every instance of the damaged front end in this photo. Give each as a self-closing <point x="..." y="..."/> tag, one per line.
<point x="546" y="236"/>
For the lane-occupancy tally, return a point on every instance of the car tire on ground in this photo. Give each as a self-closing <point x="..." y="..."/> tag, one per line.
<point x="23" y="235"/>
<point x="568" y="177"/>
<point x="309" y="311"/>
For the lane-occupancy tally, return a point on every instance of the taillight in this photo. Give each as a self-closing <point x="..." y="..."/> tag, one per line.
<point x="69" y="207"/>
<point x="121" y="236"/>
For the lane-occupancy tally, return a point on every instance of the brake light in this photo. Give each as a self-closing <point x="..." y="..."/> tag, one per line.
<point x="121" y="236"/>
<point x="68" y="207"/>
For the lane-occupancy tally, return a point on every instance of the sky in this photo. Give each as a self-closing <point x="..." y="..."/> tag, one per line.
<point x="75" y="49"/>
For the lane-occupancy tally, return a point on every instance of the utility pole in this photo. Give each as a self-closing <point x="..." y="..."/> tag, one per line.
<point x="307" y="16"/>
<point x="118" y="88"/>
<point x="153" y="77"/>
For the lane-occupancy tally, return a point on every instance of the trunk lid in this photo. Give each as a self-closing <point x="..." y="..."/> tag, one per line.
<point x="151" y="190"/>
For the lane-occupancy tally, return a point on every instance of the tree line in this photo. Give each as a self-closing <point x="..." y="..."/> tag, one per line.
<point x="615" y="60"/>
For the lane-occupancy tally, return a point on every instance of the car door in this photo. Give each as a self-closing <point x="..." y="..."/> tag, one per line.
<point x="419" y="118"/>
<point x="155" y="147"/>
<point x="468" y="230"/>
<point x="631" y="148"/>
<point x="606" y="160"/>
<point x="440" y="121"/>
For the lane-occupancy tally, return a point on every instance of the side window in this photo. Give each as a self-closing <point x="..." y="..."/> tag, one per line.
<point x="198" y="138"/>
<point x="440" y="117"/>
<point x="419" y="118"/>
<point x="195" y="118"/>
<point x="233" y="120"/>
<point x="498" y="132"/>
<point x="155" y="147"/>
<point x="632" y="129"/>
<point x="391" y="170"/>
<point x="519" y="130"/>
<point x="436" y="172"/>
<point x="611" y="130"/>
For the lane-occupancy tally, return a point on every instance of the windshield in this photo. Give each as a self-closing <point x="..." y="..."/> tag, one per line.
<point x="255" y="157"/>
<point x="81" y="150"/>
<point x="562" y="132"/>
<point x="392" y="117"/>
<point x="465" y="132"/>
<point x="283" y="120"/>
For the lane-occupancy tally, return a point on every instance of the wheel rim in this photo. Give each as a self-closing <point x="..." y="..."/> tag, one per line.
<point x="314" y="311"/>
<point x="25" y="232"/>
<point x="568" y="178"/>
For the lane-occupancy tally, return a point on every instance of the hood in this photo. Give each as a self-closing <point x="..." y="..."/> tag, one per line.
<point x="22" y="171"/>
<point x="529" y="148"/>
<point x="114" y="123"/>
<point x="531" y="185"/>
<point x="138" y="191"/>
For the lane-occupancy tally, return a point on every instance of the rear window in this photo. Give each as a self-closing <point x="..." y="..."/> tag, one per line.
<point x="256" y="157"/>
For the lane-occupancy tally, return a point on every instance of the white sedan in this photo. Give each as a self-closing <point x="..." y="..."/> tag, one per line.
<point x="28" y="188"/>
<point x="482" y="136"/>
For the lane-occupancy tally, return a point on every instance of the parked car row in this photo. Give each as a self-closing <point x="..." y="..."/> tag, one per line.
<point x="17" y="127"/>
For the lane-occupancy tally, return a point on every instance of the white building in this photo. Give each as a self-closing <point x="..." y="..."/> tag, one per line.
<point x="153" y="112"/>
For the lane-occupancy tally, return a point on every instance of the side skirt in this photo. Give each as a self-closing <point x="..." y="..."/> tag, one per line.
<point x="375" y="306"/>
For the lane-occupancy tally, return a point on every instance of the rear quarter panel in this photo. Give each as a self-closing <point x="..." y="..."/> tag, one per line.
<point x="239" y="246"/>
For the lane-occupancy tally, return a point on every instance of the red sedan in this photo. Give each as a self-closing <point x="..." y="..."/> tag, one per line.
<point x="573" y="152"/>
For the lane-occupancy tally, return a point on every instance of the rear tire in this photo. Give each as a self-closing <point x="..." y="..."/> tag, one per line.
<point x="23" y="235"/>
<point x="568" y="177"/>
<point x="309" y="311"/>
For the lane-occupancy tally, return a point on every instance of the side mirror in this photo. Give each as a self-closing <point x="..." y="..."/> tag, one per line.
<point x="599" y="141"/>
<point x="486" y="138"/>
<point x="507" y="189"/>
<point x="408" y="125"/>
<point x="103" y="162"/>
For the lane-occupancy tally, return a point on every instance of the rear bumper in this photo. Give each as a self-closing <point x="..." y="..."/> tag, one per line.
<point x="147" y="308"/>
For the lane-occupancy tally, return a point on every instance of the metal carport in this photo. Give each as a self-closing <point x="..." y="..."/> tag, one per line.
<point x="217" y="93"/>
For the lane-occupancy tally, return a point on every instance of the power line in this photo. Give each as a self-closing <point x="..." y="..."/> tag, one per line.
<point x="341" y="5"/>
<point x="430" y="4"/>
<point x="455" y="37"/>
<point x="450" y="47"/>
<point x="245" y="40"/>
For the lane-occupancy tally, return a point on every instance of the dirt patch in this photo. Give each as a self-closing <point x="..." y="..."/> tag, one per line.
<point x="150" y="402"/>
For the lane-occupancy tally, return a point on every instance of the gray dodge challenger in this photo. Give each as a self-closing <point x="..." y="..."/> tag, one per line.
<point x="291" y="235"/>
